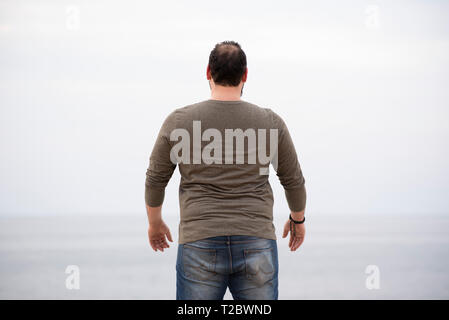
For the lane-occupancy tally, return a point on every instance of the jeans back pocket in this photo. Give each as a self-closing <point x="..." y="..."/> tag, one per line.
<point x="259" y="265"/>
<point x="198" y="263"/>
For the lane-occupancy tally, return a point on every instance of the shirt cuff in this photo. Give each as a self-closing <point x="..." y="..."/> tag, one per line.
<point x="296" y="198"/>
<point x="154" y="197"/>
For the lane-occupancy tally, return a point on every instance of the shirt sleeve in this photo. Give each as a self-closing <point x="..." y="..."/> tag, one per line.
<point x="160" y="168"/>
<point x="288" y="168"/>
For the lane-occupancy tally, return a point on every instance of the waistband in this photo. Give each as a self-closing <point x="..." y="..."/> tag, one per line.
<point x="232" y="239"/>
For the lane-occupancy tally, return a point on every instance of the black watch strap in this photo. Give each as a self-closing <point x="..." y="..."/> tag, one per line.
<point x="296" y="221"/>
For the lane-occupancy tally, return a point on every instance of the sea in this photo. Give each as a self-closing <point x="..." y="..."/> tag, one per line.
<point x="343" y="257"/>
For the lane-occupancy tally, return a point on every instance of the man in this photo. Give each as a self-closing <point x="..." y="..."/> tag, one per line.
<point x="226" y="234"/>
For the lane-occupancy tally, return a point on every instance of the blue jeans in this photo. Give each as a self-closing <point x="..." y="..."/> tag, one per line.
<point x="247" y="265"/>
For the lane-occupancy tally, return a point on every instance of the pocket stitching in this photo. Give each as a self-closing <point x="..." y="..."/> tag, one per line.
<point x="246" y="251"/>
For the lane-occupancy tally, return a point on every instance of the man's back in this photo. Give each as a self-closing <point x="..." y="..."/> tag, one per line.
<point x="224" y="147"/>
<point x="227" y="193"/>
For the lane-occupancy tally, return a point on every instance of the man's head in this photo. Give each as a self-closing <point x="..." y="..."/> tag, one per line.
<point x="227" y="64"/>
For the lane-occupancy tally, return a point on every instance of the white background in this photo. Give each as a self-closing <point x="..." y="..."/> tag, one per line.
<point x="85" y="86"/>
<point x="362" y="86"/>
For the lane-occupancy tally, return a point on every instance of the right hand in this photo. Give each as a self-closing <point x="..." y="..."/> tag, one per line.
<point x="297" y="234"/>
<point x="157" y="234"/>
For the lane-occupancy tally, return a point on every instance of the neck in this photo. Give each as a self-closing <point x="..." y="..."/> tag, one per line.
<point x="226" y="93"/>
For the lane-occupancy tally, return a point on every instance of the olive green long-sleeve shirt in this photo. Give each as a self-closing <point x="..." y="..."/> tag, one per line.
<point x="224" y="188"/>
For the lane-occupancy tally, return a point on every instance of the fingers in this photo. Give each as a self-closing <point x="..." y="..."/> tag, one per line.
<point x="293" y="243"/>
<point x="159" y="244"/>
<point x="300" y="241"/>
<point x="169" y="236"/>
<point x="290" y="241"/>
<point x="297" y="243"/>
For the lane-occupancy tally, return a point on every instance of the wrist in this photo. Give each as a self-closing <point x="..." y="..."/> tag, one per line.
<point x="154" y="215"/>
<point x="299" y="216"/>
<point x="155" y="222"/>
<point x="296" y="221"/>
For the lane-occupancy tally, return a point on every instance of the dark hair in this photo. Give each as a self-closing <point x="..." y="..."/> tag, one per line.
<point x="227" y="63"/>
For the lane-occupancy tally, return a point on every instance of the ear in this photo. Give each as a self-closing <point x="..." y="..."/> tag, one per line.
<point x="208" y="76"/>
<point x="245" y="75"/>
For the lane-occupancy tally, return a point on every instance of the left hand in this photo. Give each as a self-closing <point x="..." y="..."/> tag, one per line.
<point x="158" y="233"/>
<point x="297" y="234"/>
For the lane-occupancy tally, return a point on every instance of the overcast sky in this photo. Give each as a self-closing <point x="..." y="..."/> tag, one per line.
<point x="362" y="86"/>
